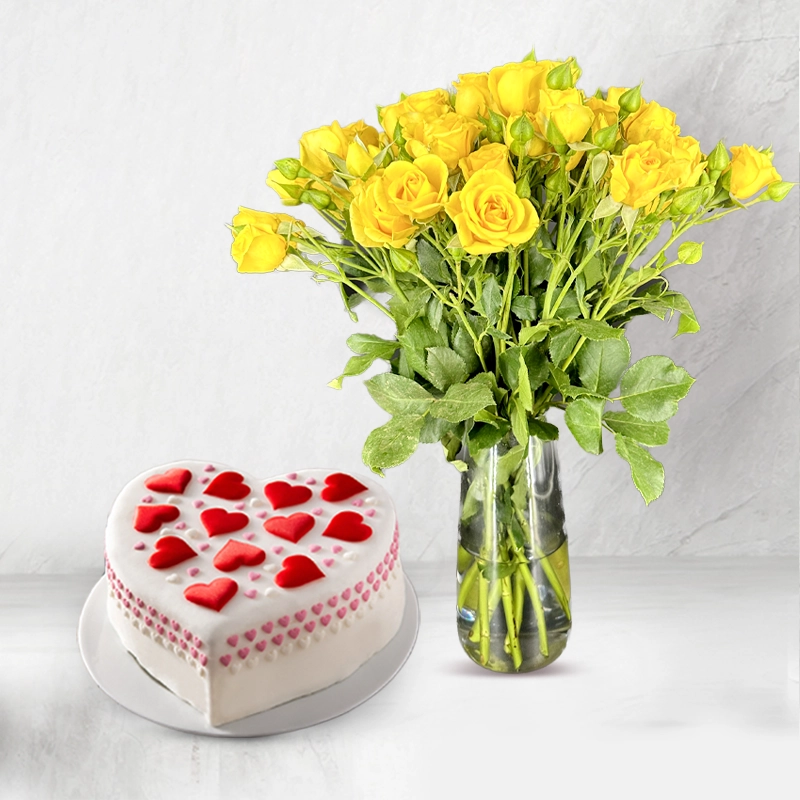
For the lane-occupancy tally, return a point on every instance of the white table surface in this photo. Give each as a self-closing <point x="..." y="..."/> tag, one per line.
<point x="679" y="680"/>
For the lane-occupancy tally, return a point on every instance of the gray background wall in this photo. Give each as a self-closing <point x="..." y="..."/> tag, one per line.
<point x="129" y="134"/>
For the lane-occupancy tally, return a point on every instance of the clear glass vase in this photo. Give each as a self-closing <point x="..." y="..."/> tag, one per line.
<point x="513" y="566"/>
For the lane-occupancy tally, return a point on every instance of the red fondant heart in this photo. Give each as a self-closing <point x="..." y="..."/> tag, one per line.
<point x="214" y="595"/>
<point x="339" y="486"/>
<point x="349" y="527"/>
<point x="173" y="481"/>
<point x="170" y="550"/>
<point x="237" y="554"/>
<point x="294" y="527"/>
<point x="217" y="521"/>
<point x="151" y="518"/>
<point x="282" y="494"/>
<point x="228" y="486"/>
<point x="298" y="570"/>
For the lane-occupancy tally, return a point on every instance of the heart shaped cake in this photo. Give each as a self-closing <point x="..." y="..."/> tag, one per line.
<point x="239" y="594"/>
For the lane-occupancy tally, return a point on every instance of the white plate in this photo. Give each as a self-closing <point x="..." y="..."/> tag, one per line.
<point x="119" y="675"/>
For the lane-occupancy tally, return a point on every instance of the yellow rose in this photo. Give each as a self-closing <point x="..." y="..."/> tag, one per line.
<point x="375" y="220"/>
<point x="315" y="145"/>
<point x="605" y="113"/>
<point x="472" y="95"/>
<point x="418" y="190"/>
<point x="687" y="162"/>
<point x="417" y="106"/>
<point x="751" y="171"/>
<point x="451" y="137"/>
<point x="489" y="215"/>
<point x="514" y="88"/>
<point x="489" y="156"/>
<point x="613" y="95"/>
<point x="640" y="174"/>
<point x="652" y="123"/>
<point x="257" y="247"/>
<point x="566" y="110"/>
<point x="359" y="158"/>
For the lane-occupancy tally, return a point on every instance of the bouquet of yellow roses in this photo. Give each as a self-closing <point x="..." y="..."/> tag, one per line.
<point x="504" y="227"/>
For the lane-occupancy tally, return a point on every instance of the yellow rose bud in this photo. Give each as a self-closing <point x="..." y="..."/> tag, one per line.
<point x="489" y="215"/>
<point x="366" y="133"/>
<point x="640" y="174"/>
<point x="605" y="113"/>
<point x="451" y="137"/>
<point x="652" y="123"/>
<point x="376" y="221"/>
<point x="515" y="87"/>
<point x="565" y="109"/>
<point x="278" y="182"/>
<point x="490" y="156"/>
<point x="256" y="251"/>
<point x="750" y="171"/>
<point x="419" y="106"/>
<point x="472" y="95"/>
<point x="315" y="146"/>
<point x="687" y="162"/>
<point x="418" y="190"/>
<point x="262" y="220"/>
<point x="360" y="158"/>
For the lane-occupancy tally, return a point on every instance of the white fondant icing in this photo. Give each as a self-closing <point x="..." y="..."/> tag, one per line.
<point x="280" y="673"/>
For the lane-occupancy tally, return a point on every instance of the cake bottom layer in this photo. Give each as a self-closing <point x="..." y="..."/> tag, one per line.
<point x="226" y="693"/>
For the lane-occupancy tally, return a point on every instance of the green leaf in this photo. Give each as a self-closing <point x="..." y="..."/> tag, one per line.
<point x="543" y="430"/>
<point x="649" y="433"/>
<point x="433" y="430"/>
<point x="607" y="207"/>
<point x="562" y="344"/>
<point x="498" y="334"/>
<point x="431" y="263"/>
<point x="690" y="252"/>
<point x="595" y="329"/>
<point x="599" y="167"/>
<point x="491" y="300"/>
<point x="536" y="333"/>
<point x="524" y="307"/>
<point x="651" y="388"/>
<point x="670" y="302"/>
<point x="593" y="272"/>
<point x="482" y="437"/>
<point x="570" y="307"/>
<point x="398" y="395"/>
<point x="533" y="358"/>
<point x="629" y="216"/>
<point x="392" y="443"/>
<point x="370" y="345"/>
<point x="462" y="401"/>
<point x="778" y="190"/>
<point x="445" y="367"/>
<point x="584" y="418"/>
<point x="525" y="393"/>
<point x="601" y="364"/>
<point x="433" y="312"/>
<point x="509" y="462"/>
<point x="355" y="366"/>
<point x="560" y="380"/>
<point x="464" y="345"/>
<point x="647" y="473"/>
<point x="519" y="421"/>
<point x="416" y="340"/>
<point x="406" y="311"/>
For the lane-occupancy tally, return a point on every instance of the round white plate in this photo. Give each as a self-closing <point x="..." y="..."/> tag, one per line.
<point x="119" y="675"/>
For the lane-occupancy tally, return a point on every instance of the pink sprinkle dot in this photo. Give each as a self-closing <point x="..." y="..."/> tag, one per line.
<point x="203" y="479"/>
<point x="332" y="601"/>
<point x="284" y="621"/>
<point x="267" y="627"/>
<point x="358" y="502"/>
<point x="261" y="514"/>
<point x="203" y="659"/>
<point x="341" y="612"/>
<point x="198" y="641"/>
<point x="354" y="604"/>
<point x="311" y="481"/>
<point x="337" y="548"/>
<point x="148" y="498"/>
<point x="225" y="660"/>
<point x="300" y="615"/>
<point x="294" y="632"/>
<point x="194" y="653"/>
<point x="316" y="511"/>
<point x="208" y="468"/>
<point x="328" y="562"/>
<point x="249" y="535"/>
<point x="254" y="576"/>
<point x="309" y="626"/>
<point x="315" y="548"/>
<point x="198" y="504"/>
<point x="244" y="652"/>
<point x="277" y="549"/>
<point x="139" y="546"/>
<point x="261" y="646"/>
<point x="325" y="619"/>
<point x="370" y="512"/>
<point x="278" y="639"/>
<point x="180" y="526"/>
<point x="291" y="476"/>
<point x="192" y="571"/>
<point x="203" y="546"/>
<point x="251" y="634"/>
<point x="359" y="586"/>
<point x="316" y="608"/>
<point x="251" y="593"/>
<point x="233" y="639"/>
<point x="346" y="594"/>
<point x="238" y="506"/>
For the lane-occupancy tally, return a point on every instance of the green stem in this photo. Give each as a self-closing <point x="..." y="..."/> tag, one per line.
<point x="466" y="584"/>
<point x="483" y="618"/>
<point x="494" y="600"/>
<point x="511" y="626"/>
<point x="537" y="607"/>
